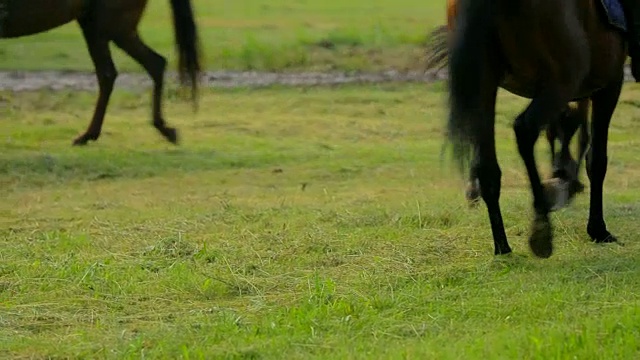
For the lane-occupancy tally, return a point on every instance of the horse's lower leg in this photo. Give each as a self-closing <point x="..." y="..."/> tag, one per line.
<point x="552" y="135"/>
<point x="527" y="129"/>
<point x="557" y="129"/>
<point x="604" y="103"/>
<point x="565" y="181"/>
<point x="105" y="72"/>
<point x="473" y="193"/>
<point x="486" y="170"/>
<point x="565" y="167"/>
<point x="583" y="139"/>
<point x="489" y="179"/>
<point x="155" y="65"/>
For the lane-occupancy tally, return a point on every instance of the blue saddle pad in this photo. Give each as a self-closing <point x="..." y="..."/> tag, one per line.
<point x="614" y="14"/>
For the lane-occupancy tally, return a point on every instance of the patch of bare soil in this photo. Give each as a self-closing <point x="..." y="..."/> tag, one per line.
<point x="68" y="80"/>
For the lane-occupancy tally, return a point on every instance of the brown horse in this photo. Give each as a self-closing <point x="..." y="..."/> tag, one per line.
<point x="552" y="52"/>
<point x="103" y="22"/>
<point x="563" y="128"/>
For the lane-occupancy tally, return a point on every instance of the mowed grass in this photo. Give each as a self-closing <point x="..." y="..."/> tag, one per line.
<point x="272" y="35"/>
<point x="296" y="223"/>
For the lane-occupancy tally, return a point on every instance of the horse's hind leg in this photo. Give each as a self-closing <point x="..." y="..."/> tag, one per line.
<point x="472" y="193"/>
<point x="553" y="132"/>
<point x="155" y="65"/>
<point x="565" y="167"/>
<point x="527" y="128"/>
<point x="583" y="139"/>
<point x="487" y="171"/>
<point x="603" y="105"/>
<point x="576" y="119"/>
<point x="106" y="73"/>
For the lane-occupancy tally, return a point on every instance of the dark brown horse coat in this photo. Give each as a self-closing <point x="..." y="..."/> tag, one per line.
<point x="549" y="51"/>
<point x="562" y="128"/>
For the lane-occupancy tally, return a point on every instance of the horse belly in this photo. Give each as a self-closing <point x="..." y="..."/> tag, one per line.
<point x="520" y="87"/>
<point x="29" y="17"/>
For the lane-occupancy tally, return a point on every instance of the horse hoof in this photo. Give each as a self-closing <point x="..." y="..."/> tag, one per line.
<point x="85" y="138"/>
<point x="557" y="193"/>
<point x="473" y="201"/>
<point x="577" y="187"/>
<point x="541" y="236"/>
<point x="506" y="250"/>
<point x="79" y="142"/>
<point x="599" y="234"/>
<point x="609" y="239"/>
<point x="171" y="134"/>
<point x="606" y="239"/>
<point x="472" y="194"/>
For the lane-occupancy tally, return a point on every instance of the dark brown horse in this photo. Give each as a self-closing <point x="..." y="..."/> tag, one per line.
<point x="549" y="51"/>
<point x="563" y="128"/>
<point x="103" y="22"/>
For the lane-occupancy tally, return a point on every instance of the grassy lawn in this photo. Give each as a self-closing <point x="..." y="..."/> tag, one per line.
<point x="295" y="223"/>
<point x="261" y="35"/>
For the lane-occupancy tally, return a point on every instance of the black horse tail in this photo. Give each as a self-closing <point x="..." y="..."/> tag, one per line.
<point x="437" y="49"/>
<point x="469" y="64"/>
<point x="188" y="44"/>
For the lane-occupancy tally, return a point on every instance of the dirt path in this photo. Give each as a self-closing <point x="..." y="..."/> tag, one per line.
<point x="58" y="80"/>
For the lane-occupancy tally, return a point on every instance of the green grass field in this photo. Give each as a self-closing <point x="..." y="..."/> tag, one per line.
<point x="292" y="223"/>
<point x="296" y="223"/>
<point x="261" y="35"/>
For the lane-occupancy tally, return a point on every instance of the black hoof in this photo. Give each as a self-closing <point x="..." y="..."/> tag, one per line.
<point x="84" y="139"/>
<point x="170" y="134"/>
<point x="503" y="251"/>
<point x="606" y="240"/>
<point x="600" y="235"/>
<point x="79" y="142"/>
<point x="541" y="237"/>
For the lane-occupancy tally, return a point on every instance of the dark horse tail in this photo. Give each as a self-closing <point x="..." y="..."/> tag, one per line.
<point x="437" y="49"/>
<point x="188" y="44"/>
<point x="469" y="64"/>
